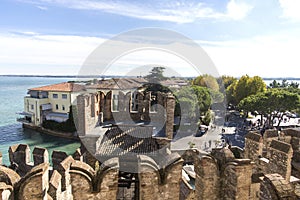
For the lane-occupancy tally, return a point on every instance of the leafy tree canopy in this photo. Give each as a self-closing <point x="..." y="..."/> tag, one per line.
<point x="226" y="81"/>
<point x="207" y="81"/>
<point x="245" y="87"/>
<point x="284" y="84"/>
<point x="271" y="103"/>
<point x="156" y="75"/>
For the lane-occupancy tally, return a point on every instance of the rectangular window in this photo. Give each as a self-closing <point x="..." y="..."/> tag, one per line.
<point x="32" y="106"/>
<point x="56" y="106"/>
<point x="115" y="102"/>
<point x="63" y="107"/>
<point x="55" y="96"/>
<point x="134" y="102"/>
<point x="153" y="103"/>
<point x="64" y="96"/>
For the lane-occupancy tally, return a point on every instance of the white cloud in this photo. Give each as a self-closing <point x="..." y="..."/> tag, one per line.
<point x="42" y="7"/>
<point x="172" y="11"/>
<point x="290" y="9"/>
<point x="268" y="56"/>
<point x="238" y="10"/>
<point x="44" y="51"/>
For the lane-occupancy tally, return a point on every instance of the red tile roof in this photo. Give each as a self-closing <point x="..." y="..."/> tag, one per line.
<point x="119" y="83"/>
<point x="60" y="87"/>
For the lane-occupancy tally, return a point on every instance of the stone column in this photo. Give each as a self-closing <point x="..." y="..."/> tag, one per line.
<point x="40" y="155"/>
<point x="207" y="183"/>
<point x="236" y="180"/>
<point x="170" y="108"/>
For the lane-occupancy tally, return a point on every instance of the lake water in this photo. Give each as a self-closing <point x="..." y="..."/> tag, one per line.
<point x="12" y="92"/>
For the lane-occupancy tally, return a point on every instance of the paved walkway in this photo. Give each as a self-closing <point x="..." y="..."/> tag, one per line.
<point x="206" y="142"/>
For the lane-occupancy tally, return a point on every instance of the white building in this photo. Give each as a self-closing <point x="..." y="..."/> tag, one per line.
<point x="51" y="102"/>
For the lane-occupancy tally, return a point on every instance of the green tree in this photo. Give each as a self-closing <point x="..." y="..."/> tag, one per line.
<point x="271" y="103"/>
<point x="186" y="103"/>
<point x="284" y="84"/>
<point x="226" y="81"/>
<point x="204" y="98"/>
<point x="206" y="80"/>
<point x="247" y="86"/>
<point x="230" y="93"/>
<point x="156" y="75"/>
<point x="274" y="84"/>
<point x="216" y="96"/>
<point x="193" y="101"/>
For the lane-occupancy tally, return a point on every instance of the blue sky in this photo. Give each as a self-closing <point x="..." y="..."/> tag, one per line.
<point x="252" y="37"/>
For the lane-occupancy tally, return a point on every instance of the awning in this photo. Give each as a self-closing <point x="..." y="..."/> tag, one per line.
<point x="61" y="115"/>
<point x="25" y="113"/>
<point x="47" y="106"/>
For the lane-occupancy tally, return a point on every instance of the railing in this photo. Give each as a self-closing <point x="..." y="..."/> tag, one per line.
<point x="23" y="120"/>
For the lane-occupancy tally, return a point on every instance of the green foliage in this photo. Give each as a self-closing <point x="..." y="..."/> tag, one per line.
<point x="204" y="98"/>
<point x="193" y="101"/>
<point x="59" y="126"/>
<point x="274" y="84"/>
<point x="156" y="75"/>
<point x="271" y="103"/>
<point x="216" y="96"/>
<point x="67" y="126"/>
<point x="191" y="145"/>
<point x="284" y="84"/>
<point x="226" y="81"/>
<point x="186" y="99"/>
<point x="207" y="118"/>
<point x="245" y="87"/>
<point x="230" y="93"/>
<point x="207" y="81"/>
<point x="155" y="87"/>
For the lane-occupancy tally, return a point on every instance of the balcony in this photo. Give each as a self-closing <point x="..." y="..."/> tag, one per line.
<point x="26" y="119"/>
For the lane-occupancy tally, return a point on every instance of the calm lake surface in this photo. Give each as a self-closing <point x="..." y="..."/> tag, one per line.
<point x="12" y="92"/>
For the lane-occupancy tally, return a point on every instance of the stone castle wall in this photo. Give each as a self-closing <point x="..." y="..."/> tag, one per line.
<point x="93" y="109"/>
<point x="220" y="175"/>
<point x="69" y="178"/>
<point x="274" y="167"/>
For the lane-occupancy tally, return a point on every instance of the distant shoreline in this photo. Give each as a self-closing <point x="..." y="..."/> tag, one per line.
<point x="58" y="76"/>
<point x="113" y="76"/>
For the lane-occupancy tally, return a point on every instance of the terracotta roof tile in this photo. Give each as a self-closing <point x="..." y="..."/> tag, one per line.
<point x="119" y="83"/>
<point x="60" y="87"/>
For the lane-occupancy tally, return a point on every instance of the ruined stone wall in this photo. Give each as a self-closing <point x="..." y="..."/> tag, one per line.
<point x="69" y="179"/>
<point x="280" y="158"/>
<point x="159" y="182"/>
<point x="74" y="179"/>
<point x="87" y="113"/>
<point x="170" y="108"/>
<point x="268" y="136"/>
<point x="222" y="176"/>
<point x="186" y="191"/>
<point x="253" y="146"/>
<point x="275" y="187"/>
<point x="237" y="179"/>
<point x="92" y="108"/>
<point x="207" y="185"/>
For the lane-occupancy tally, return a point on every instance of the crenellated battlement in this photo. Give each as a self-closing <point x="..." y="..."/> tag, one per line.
<point x="264" y="170"/>
<point x="71" y="178"/>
